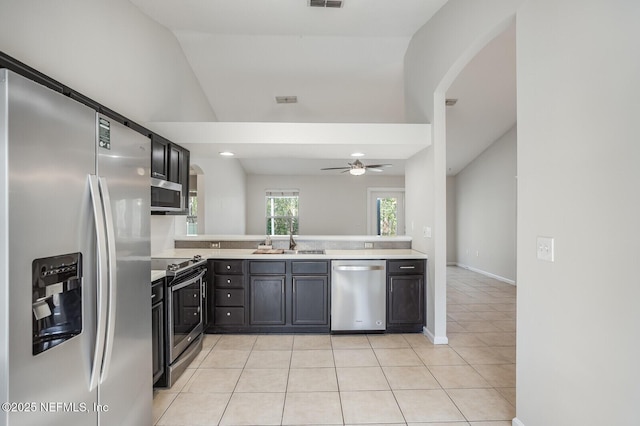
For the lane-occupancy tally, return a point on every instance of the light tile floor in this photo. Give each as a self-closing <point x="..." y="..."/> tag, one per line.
<point x="360" y="379"/>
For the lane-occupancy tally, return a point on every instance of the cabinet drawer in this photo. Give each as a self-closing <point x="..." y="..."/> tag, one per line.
<point x="410" y="266"/>
<point x="228" y="266"/>
<point x="221" y="281"/>
<point x="157" y="291"/>
<point x="267" y="267"/>
<point x="231" y="297"/>
<point x="309" y="267"/>
<point x="227" y="316"/>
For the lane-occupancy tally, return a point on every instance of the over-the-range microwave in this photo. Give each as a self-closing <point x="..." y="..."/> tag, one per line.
<point x="166" y="196"/>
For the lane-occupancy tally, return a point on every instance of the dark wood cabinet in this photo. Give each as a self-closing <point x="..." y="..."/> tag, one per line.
<point x="160" y="157"/>
<point x="268" y="296"/>
<point x="171" y="162"/>
<point x="405" y="295"/>
<point x="157" y="329"/>
<point x="310" y="300"/>
<point x="227" y="297"/>
<point x="293" y="295"/>
<point x="267" y="302"/>
<point x="175" y="165"/>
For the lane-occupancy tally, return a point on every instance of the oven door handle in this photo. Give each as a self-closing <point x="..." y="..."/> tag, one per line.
<point x="188" y="282"/>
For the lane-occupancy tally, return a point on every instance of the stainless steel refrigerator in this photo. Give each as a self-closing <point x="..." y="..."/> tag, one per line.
<point x="75" y="317"/>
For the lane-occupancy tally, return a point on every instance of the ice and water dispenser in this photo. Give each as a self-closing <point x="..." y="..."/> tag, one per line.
<point x="57" y="300"/>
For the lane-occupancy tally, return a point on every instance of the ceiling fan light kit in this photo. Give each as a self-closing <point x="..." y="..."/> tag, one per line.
<point x="358" y="168"/>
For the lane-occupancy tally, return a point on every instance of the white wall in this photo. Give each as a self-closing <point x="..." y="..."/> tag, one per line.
<point x="224" y="192"/>
<point x="436" y="55"/>
<point x="486" y="210"/>
<point x="578" y="181"/>
<point x="329" y="205"/>
<point x="108" y="51"/>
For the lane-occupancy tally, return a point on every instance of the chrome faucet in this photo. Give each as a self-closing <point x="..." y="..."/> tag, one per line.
<point x="292" y="242"/>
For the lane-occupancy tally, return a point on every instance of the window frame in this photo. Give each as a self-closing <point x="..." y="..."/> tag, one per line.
<point x="272" y="218"/>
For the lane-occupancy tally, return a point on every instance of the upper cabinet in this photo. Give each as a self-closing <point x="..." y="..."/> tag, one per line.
<point x="160" y="157"/>
<point x="170" y="162"/>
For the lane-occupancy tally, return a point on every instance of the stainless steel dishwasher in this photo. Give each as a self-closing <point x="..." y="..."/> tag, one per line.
<point x="358" y="295"/>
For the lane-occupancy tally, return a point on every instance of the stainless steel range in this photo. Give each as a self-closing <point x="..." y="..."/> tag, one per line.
<point x="186" y="283"/>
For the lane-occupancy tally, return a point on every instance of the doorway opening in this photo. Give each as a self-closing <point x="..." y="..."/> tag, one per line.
<point x="385" y="207"/>
<point x="196" y="201"/>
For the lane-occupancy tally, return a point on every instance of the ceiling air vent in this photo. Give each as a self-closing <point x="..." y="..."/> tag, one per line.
<point x="450" y="102"/>
<point x="287" y="99"/>
<point x="326" y="3"/>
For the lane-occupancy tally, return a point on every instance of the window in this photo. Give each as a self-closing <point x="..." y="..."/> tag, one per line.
<point x="281" y="212"/>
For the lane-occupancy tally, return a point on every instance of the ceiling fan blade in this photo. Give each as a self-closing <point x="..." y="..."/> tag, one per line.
<point x="377" y="166"/>
<point x="373" y="169"/>
<point x="336" y="168"/>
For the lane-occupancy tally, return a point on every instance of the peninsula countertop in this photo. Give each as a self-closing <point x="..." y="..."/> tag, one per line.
<point x="249" y="254"/>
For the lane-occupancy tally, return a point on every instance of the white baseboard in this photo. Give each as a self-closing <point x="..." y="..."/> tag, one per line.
<point x="487" y="274"/>
<point x="436" y="340"/>
<point x="516" y="422"/>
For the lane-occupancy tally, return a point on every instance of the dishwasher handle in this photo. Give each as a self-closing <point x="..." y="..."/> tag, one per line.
<point x="358" y="268"/>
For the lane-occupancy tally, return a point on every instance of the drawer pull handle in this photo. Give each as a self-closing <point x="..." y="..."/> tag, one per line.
<point x="195" y="295"/>
<point x="228" y="281"/>
<point x="228" y="266"/>
<point x="408" y="267"/>
<point x="228" y="314"/>
<point x="153" y="296"/>
<point x="228" y="295"/>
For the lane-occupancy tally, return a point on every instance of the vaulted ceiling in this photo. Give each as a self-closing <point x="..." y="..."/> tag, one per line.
<point x="345" y="65"/>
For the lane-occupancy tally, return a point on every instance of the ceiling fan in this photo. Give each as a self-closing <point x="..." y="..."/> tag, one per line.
<point x="358" y="168"/>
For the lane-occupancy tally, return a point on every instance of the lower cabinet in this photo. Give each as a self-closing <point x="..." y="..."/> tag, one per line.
<point x="405" y="295"/>
<point x="267" y="300"/>
<point x="262" y="296"/>
<point x="293" y="295"/>
<point x="157" y="329"/>
<point x="310" y="300"/>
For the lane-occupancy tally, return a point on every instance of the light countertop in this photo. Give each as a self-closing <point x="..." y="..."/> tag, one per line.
<point x="248" y="254"/>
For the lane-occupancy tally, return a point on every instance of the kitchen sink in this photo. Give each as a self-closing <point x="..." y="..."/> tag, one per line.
<point x="304" y="251"/>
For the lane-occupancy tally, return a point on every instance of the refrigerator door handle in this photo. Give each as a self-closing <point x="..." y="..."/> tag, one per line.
<point x="102" y="275"/>
<point x="113" y="284"/>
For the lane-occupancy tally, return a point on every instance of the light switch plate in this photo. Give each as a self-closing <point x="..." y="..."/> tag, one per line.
<point x="426" y="232"/>
<point x="545" y="248"/>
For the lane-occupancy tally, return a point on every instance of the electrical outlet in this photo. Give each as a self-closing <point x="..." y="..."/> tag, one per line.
<point x="215" y="245"/>
<point x="368" y="245"/>
<point x="545" y="248"/>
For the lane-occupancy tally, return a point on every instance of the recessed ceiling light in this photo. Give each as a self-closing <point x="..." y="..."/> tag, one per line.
<point x="226" y="154"/>
<point x="358" y="154"/>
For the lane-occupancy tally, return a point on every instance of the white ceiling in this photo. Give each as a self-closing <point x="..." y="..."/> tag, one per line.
<point x="344" y="65"/>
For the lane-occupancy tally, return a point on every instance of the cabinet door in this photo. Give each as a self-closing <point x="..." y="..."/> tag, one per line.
<point x="405" y="299"/>
<point x="159" y="158"/>
<point x="174" y="163"/>
<point x="267" y="305"/>
<point x="184" y="175"/>
<point x="310" y="300"/>
<point x="157" y="339"/>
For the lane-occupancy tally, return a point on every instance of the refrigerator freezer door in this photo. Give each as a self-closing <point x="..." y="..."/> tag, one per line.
<point x="124" y="169"/>
<point x="46" y="153"/>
